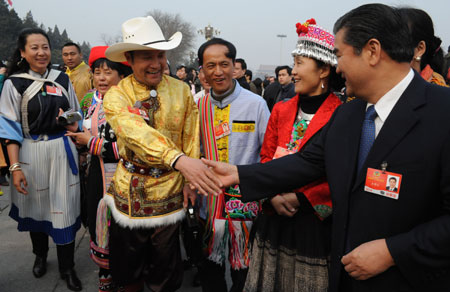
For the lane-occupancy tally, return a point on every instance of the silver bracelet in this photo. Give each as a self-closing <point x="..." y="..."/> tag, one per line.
<point x="14" y="167"/>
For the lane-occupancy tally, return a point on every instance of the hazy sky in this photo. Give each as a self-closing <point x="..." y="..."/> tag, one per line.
<point x="251" y="25"/>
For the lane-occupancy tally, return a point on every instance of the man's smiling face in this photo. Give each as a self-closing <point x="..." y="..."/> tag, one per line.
<point x="148" y="66"/>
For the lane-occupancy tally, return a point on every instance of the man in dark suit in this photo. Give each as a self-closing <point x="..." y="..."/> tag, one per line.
<point x="392" y="185"/>
<point x="378" y="243"/>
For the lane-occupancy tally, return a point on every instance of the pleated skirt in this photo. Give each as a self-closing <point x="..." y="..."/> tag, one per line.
<point x="289" y="254"/>
<point x="52" y="204"/>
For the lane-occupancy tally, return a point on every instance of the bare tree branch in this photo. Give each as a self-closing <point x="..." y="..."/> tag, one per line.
<point x="170" y="24"/>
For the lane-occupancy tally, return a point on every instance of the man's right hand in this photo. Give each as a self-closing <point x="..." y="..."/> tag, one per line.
<point x="19" y="179"/>
<point x="199" y="175"/>
<point x="227" y="173"/>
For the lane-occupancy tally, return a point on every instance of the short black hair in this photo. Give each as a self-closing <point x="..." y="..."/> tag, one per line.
<point x="122" y="69"/>
<point x="381" y="22"/>
<point x="181" y="67"/>
<point x="70" y="44"/>
<point x="242" y="62"/>
<point x="279" y="68"/>
<point x="249" y="73"/>
<point x="217" y="41"/>
<point x="421" y="28"/>
<point x="392" y="177"/>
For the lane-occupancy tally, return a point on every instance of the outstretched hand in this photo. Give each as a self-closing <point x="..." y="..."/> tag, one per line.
<point x="227" y="173"/>
<point x="199" y="175"/>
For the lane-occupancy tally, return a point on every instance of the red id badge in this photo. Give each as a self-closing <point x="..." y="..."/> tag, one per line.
<point x="280" y="152"/>
<point x="53" y="90"/>
<point x="222" y="130"/>
<point x="383" y="183"/>
<point x="139" y="112"/>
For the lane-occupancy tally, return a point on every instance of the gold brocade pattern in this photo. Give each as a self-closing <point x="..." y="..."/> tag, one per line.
<point x="81" y="78"/>
<point x="222" y="115"/>
<point x="176" y="131"/>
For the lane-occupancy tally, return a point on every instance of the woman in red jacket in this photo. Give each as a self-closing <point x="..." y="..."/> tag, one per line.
<point x="291" y="244"/>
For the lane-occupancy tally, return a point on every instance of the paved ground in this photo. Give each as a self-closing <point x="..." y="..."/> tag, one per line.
<point x="16" y="260"/>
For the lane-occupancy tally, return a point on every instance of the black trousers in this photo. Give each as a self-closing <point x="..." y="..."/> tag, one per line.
<point x="212" y="276"/>
<point x="64" y="252"/>
<point x="152" y="255"/>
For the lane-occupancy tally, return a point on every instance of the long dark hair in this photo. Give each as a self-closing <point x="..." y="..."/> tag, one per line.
<point x="16" y="63"/>
<point x="421" y="28"/>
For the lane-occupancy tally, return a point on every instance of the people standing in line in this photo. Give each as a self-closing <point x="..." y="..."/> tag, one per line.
<point x="79" y="73"/>
<point x="155" y="121"/>
<point x="239" y="73"/>
<point x="291" y="246"/>
<point x="375" y="135"/>
<point x="233" y="122"/>
<point x="45" y="194"/>
<point x="103" y="155"/>
<point x="428" y="57"/>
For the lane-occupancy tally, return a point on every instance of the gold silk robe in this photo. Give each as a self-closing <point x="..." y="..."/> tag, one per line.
<point x="81" y="78"/>
<point x="141" y="200"/>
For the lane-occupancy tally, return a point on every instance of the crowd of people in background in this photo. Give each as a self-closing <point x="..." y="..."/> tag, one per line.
<point x="115" y="144"/>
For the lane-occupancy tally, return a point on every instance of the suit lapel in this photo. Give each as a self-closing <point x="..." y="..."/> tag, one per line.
<point x="397" y="125"/>
<point x="353" y="135"/>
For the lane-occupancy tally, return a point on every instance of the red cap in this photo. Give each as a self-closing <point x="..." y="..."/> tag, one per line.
<point x="98" y="52"/>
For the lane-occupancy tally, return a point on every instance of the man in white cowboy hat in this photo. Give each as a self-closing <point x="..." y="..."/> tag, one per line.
<point x="157" y="127"/>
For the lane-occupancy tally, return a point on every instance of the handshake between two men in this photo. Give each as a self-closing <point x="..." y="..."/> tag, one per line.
<point x="205" y="176"/>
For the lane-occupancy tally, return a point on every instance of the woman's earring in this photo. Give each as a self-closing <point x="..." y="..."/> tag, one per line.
<point x="322" y="86"/>
<point x="20" y="62"/>
<point x="418" y="58"/>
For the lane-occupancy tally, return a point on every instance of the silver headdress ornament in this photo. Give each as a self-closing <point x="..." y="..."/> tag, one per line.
<point x="315" y="42"/>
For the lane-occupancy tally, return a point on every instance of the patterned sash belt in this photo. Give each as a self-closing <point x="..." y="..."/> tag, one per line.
<point x="138" y="169"/>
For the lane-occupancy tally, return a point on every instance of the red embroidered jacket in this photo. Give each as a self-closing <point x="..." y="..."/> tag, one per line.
<point x="278" y="133"/>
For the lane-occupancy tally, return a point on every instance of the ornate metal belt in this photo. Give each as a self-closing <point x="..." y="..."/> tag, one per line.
<point x="150" y="171"/>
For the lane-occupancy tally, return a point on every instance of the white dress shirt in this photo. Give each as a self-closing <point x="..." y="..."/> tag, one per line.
<point x="387" y="102"/>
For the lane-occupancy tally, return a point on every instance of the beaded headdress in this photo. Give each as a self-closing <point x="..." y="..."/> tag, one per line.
<point x="315" y="42"/>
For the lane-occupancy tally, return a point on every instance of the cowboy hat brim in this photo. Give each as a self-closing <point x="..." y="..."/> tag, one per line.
<point x="116" y="52"/>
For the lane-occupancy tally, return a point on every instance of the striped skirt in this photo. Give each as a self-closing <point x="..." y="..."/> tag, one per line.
<point x="52" y="204"/>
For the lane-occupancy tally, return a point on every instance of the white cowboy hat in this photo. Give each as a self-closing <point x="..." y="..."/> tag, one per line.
<point x="141" y="33"/>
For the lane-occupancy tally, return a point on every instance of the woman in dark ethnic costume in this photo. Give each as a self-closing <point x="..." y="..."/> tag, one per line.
<point x="291" y="245"/>
<point x="45" y="196"/>
<point x="102" y="158"/>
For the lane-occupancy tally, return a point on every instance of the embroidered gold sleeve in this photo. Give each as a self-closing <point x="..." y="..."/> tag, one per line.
<point x="148" y="144"/>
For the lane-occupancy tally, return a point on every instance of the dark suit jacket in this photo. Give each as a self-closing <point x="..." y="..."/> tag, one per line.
<point x="395" y="189"/>
<point x="415" y="142"/>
